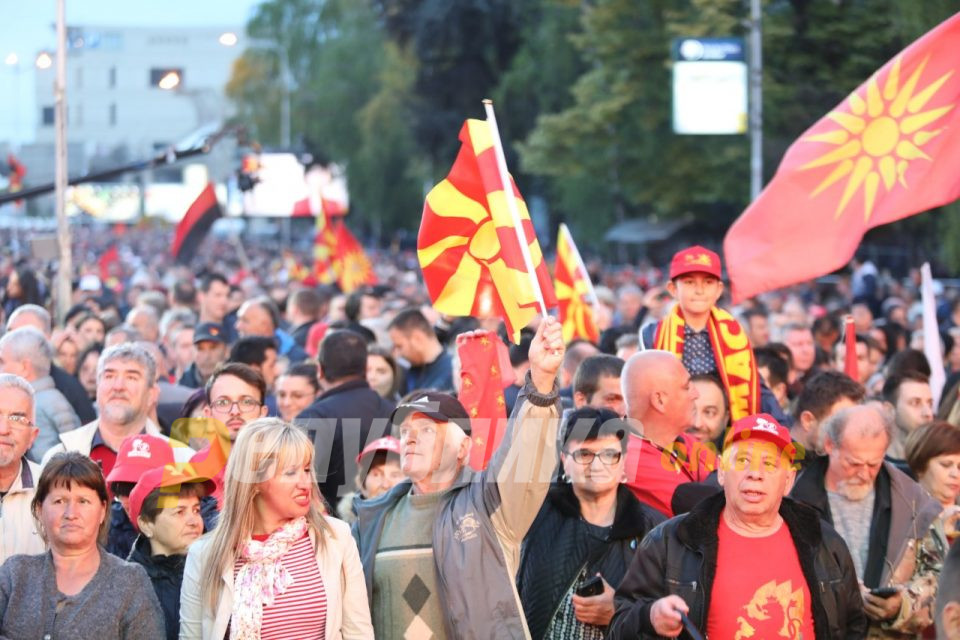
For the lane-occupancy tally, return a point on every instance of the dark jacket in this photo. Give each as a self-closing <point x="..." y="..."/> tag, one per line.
<point x="166" y="575"/>
<point x="75" y="394"/>
<point x="191" y="378"/>
<point x="341" y="422"/>
<point x="680" y="557"/>
<point x="436" y="375"/>
<point x="121" y="535"/>
<point x="560" y="550"/>
<point x="902" y="513"/>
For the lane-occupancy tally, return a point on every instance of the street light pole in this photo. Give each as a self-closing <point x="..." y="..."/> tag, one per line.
<point x="65" y="265"/>
<point x="756" y="100"/>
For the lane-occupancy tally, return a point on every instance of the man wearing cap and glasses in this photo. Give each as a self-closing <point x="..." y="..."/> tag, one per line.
<point x="440" y="551"/>
<point x="18" y="476"/>
<point x="749" y="562"/>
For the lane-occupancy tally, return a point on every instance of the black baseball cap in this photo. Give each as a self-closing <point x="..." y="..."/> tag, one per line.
<point x="437" y="405"/>
<point x="209" y="331"/>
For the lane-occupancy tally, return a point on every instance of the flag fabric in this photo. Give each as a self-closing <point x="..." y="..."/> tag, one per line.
<point x="468" y="247"/>
<point x="931" y="334"/>
<point x="17" y="172"/>
<point x="324" y="245"/>
<point x="850" y="365"/>
<point x="484" y="373"/>
<point x="195" y="225"/>
<point x="105" y="265"/>
<point x="575" y="296"/>
<point x="890" y="150"/>
<point x="295" y="270"/>
<point x="352" y="266"/>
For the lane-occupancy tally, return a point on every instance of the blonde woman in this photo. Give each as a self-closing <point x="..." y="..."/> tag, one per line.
<point x="276" y="565"/>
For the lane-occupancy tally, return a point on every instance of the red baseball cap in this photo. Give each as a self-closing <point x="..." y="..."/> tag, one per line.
<point x="695" y="259"/>
<point x="171" y="475"/>
<point x="388" y="444"/>
<point x="138" y="454"/>
<point x="761" y="426"/>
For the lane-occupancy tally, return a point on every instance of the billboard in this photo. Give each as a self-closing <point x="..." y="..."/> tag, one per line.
<point x="709" y="86"/>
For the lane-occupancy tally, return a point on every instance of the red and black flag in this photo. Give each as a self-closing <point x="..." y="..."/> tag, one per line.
<point x="195" y="225"/>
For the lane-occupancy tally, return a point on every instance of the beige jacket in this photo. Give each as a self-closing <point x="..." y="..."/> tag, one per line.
<point x="18" y="530"/>
<point x="348" y="615"/>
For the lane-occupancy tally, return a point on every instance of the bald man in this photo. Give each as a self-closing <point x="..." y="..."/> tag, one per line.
<point x="659" y="400"/>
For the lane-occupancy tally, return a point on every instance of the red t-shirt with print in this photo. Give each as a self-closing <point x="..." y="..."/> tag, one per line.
<point x="759" y="590"/>
<point x="653" y="473"/>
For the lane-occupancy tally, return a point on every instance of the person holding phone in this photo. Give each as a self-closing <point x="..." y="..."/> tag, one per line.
<point x="586" y="533"/>
<point x="748" y="562"/>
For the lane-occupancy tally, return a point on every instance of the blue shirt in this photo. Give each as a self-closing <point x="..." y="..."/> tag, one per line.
<point x="698" y="356"/>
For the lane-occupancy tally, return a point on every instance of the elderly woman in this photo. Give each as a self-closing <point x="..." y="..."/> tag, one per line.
<point x="584" y="538"/>
<point x="276" y="565"/>
<point x="165" y="510"/>
<point x="933" y="453"/>
<point x="76" y="589"/>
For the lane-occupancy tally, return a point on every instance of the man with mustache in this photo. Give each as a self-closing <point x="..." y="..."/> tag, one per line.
<point x="18" y="475"/>
<point x="126" y="389"/>
<point x="881" y="513"/>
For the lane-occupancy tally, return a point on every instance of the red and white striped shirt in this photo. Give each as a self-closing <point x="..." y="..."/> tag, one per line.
<point x="300" y="613"/>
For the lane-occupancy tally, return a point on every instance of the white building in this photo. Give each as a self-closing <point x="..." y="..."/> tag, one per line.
<point x="114" y="94"/>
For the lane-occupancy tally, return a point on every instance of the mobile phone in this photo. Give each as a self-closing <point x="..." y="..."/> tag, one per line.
<point x="692" y="631"/>
<point x="592" y="587"/>
<point x="884" y="592"/>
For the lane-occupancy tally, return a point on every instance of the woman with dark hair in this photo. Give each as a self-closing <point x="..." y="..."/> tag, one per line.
<point x="383" y="374"/>
<point x="165" y="510"/>
<point x="933" y="453"/>
<point x="76" y="589"/>
<point x="22" y="287"/>
<point x="586" y="533"/>
<point x="87" y="369"/>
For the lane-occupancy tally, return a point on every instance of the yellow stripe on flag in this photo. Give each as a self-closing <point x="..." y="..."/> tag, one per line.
<point x="428" y="254"/>
<point x="461" y="289"/>
<point x="447" y="202"/>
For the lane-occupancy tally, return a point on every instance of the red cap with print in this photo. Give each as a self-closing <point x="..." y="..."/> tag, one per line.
<point x="138" y="454"/>
<point x="695" y="259"/>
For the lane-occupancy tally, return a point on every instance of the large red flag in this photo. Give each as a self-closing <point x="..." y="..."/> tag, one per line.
<point x="484" y="373"/>
<point x="468" y="248"/>
<point x="890" y="150"/>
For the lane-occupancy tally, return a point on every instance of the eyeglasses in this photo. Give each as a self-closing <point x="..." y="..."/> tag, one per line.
<point x="17" y="420"/>
<point x="246" y="404"/>
<point x="586" y="456"/>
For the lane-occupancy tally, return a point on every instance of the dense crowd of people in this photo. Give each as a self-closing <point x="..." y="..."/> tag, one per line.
<point x="230" y="451"/>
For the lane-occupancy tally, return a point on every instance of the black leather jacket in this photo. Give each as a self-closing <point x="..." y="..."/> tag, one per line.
<point x="680" y="557"/>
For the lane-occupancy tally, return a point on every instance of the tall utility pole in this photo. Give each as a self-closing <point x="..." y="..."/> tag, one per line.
<point x="65" y="266"/>
<point x="756" y="100"/>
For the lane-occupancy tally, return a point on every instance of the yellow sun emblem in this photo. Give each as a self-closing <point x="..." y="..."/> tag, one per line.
<point x="879" y="136"/>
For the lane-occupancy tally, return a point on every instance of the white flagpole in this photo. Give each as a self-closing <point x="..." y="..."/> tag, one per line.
<point x="512" y="204"/>
<point x="576" y="254"/>
<point x="931" y="334"/>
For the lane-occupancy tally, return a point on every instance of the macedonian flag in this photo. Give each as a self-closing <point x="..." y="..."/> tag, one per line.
<point x="352" y="265"/>
<point x="468" y="246"/>
<point x="891" y="149"/>
<point x="574" y="291"/>
<point x="324" y="245"/>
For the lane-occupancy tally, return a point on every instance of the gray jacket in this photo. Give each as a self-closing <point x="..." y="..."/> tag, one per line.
<point x="481" y="524"/>
<point x="55" y="415"/>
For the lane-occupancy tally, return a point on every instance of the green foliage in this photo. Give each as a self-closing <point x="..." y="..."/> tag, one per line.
<point x="583" y="95"/>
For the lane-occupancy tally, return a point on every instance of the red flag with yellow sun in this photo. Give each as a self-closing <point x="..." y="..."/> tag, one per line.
<point x="468" y="246"/>
<point x="575" y="294"/>
<point x="352" y="265"/>
<point x="890" y="150"/>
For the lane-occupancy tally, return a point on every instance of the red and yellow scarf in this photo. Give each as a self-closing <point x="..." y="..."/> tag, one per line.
<point x="731" y="350"/>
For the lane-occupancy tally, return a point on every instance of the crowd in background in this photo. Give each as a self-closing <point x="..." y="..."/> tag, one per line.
<point x="630" y="495"/>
